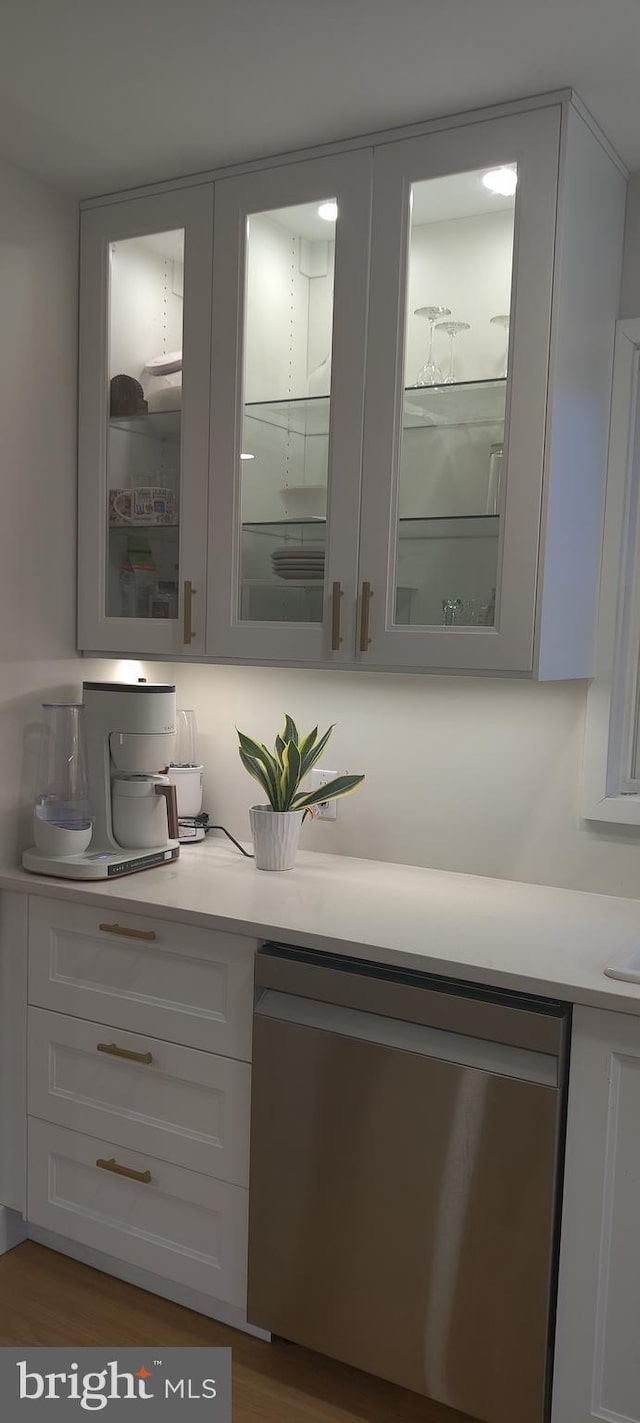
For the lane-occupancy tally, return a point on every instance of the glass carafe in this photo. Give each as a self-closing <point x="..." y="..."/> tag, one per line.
<point x="186" y="747"/>
<point x="62" y="814"/>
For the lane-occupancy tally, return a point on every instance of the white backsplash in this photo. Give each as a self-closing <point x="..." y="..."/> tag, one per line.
<point x="481" y="776"/>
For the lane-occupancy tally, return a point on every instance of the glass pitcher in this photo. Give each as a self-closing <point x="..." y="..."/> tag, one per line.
<point x="62" y="814"/>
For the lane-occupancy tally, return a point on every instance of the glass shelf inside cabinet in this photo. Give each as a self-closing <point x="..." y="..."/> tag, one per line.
<point x="421" y="526"/>
<point x="309" y="416"/>
<point x="463" y="403"/>
<point x="159" y="425"/>
<point x="474" y="402"/>
<point x="450" y="526"/>
<point x="159" y="531"/>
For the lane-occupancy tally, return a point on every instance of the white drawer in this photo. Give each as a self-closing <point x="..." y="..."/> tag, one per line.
<point x="183" y="1106"/>
<point x="179" y="983"/>
<point x="180" y="1225"/>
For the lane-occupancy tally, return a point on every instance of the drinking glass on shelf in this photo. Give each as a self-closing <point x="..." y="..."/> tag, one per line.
<point x="430" y="373"/>
<point x="474" y="612"/>
<point x="452" y="611"/>
<point x="503" y="321"/>
<point x="452" y="328"/>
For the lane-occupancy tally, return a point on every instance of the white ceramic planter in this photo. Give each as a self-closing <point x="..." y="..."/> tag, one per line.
<point x="276" y="835"/>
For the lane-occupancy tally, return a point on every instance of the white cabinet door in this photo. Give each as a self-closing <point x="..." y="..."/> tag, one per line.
<point x="144" y="423"/>
<point x="290" y="286"/>
<point x="457" y="364"/>
<point x="179" y="1224"/>
<point x="597" y="1361"/>
<point x="168" y="980"/>
<point x="13" y="1051"/>
<point x="143" y="1094"/>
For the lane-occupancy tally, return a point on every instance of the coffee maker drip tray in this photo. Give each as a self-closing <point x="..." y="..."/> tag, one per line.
<point x="98" y="865"/>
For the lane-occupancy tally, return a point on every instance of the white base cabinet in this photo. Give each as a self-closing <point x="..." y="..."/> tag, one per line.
<point x="138" y="1051"/>
<point x="138" y="1154"/>
<point x="597" y="1359"/>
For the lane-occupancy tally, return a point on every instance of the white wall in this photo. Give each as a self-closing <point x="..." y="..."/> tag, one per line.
<point x="440" y="273"/>
<point x="38" y="285"/>
<point x="461" y="774"/>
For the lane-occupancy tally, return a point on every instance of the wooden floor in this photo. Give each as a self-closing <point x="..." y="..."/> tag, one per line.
<point x="45" y="1298"/>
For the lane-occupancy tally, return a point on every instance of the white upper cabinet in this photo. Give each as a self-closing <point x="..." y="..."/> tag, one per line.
<point x="290" y="291"/>
<point x="399" y="382"/>
<point x="494" y="279"/>
<point x="145" y="305"/>
<point x="460" y="314"/>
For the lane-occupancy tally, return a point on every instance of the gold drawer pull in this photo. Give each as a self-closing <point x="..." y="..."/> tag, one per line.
<point x="148" y="934"/>
<point x="113" y="1165"/>
<point x="367" y="595"/>
<point x="336" y="595"/>
<point x="114" y="1051"/>
<point x="187" y="602"/>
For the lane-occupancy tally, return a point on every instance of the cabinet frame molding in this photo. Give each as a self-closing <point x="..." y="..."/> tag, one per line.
<point x="368" y="140"/>
<point x="610" y="791"/>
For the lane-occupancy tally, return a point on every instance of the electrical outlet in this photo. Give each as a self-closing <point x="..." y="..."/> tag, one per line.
<point x="327" y="809"/>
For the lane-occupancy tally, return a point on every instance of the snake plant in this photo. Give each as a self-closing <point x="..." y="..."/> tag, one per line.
<point x="280" y="771"/>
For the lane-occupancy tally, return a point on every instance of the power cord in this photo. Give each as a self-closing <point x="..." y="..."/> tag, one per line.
<point x="202" y="822"/>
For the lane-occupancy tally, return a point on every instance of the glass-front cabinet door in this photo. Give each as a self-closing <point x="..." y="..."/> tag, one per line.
<point x="288" y="348"/>
<point x="143" y="447"/>
<point x="458" y="354"/>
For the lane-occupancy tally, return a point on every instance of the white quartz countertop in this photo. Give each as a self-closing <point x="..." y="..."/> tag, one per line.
<point x="498" y="932"/>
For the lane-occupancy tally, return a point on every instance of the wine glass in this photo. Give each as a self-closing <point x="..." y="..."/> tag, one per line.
<point x="430" y="373"/>
<point x="452" y="328"/>
<point x="503" y="321"/>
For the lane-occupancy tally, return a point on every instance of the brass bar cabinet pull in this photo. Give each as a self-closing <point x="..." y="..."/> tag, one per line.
<point x="113" y="1165"/>
<point x="336" y="595"/>
<point x="114" y="1051"/>
<point x="147" y="934"/>
<point x="188" y="592"/>
<point x="367" y="595"/>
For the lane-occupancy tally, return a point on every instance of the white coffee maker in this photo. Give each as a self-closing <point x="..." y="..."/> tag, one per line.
<point x="129" y="731"/>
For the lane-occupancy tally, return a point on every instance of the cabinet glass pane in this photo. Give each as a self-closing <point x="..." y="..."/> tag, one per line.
<point x="456" y="361"/>
<point x="287" y="399"/>
<point x="143" y="438"/>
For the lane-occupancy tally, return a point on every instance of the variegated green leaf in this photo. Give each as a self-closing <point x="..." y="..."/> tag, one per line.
<point x="256" y="769"/>
<point x="340" y="786"/>
<point x="290" y="732"/>
<point x="283" y="779"/>
<point x="307" y="744"/>
<point x="292" y="754"/>
<point x="259" y="753"/>
<point x="315" y="752"/>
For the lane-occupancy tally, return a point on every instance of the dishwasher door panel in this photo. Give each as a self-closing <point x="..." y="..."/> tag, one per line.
<point x="401" y="1216"/>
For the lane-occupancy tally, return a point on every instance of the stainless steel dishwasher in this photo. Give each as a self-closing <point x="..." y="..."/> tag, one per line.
<point x="406" y="1141"/>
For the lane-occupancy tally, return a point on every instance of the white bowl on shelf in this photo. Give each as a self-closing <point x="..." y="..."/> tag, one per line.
<point x="304" y="501"/>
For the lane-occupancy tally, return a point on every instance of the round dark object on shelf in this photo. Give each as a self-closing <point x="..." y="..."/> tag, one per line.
<point x="126" y="396"/>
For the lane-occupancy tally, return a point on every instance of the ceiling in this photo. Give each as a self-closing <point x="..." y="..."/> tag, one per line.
<point x="97" y="95"/>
